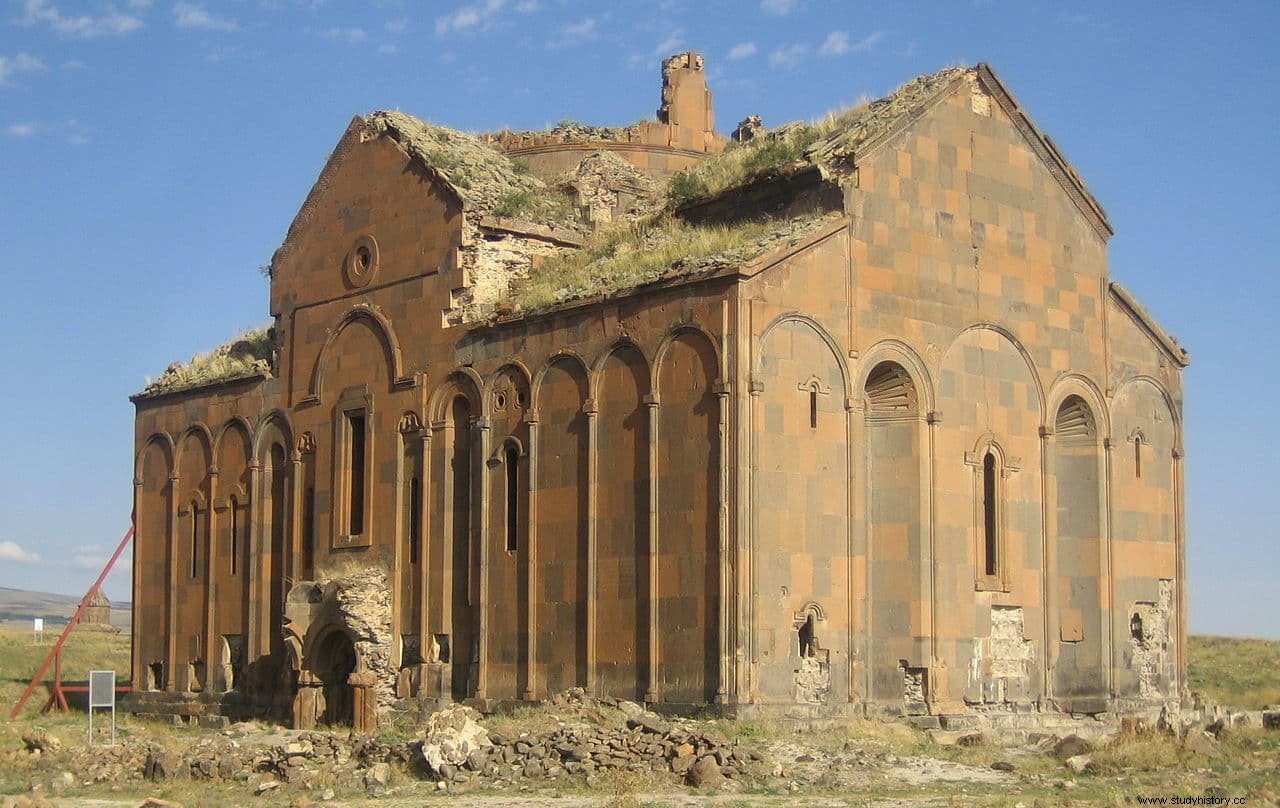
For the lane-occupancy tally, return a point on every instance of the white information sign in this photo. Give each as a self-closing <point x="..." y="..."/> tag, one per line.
<point x="37" y="629"/>
<point x="102" y="693"/>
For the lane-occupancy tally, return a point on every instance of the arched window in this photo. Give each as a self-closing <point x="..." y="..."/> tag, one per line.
<point x="990" y="513"/>
<point x="813" y="407"/>
<point x="415" y="519"/>
<point x="355" y="472"/>
<point x="235" y="535"/>
<point x="195" y="541"/>
<point x="512" y="458"/>
<point x="1137" y="455"/>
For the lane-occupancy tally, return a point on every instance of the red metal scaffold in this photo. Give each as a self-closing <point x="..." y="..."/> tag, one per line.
<point x="58" y="698"/>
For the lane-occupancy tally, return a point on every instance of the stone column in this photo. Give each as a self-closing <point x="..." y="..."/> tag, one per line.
<point x="305" y="701"/>
<point x="938" y="686"/>
<point x="364" y="701"/>
<point x="171" y="634"/>
<point x="1049" y="565"/>
<point x="424" y="556"/>
<point x="654" y="592"/>
<point x="725" y="552"/>
<point x="593" y="502"/>
<point x="530" y="691"/>
<point x="480" y="549"/>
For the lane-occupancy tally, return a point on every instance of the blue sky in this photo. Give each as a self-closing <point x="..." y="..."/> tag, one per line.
<point x="152" y="155"/>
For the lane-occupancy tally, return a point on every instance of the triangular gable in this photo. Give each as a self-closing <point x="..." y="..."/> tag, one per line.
<point x="350" y="138"/>
<point x="1158" y="336"/>
<point x="1047" y="150"/>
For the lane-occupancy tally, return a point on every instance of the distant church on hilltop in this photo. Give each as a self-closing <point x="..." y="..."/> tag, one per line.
<point x="832" y="418"/>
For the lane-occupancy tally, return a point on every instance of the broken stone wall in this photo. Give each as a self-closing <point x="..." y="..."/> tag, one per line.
<point x="493" y="260"/>
<point x="1000" y="671"/>
<point x="1150" y="635"/>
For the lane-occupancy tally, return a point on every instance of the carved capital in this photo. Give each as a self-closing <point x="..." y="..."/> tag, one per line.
<point x="410" y="423"/>
<point x="306" y="443"/>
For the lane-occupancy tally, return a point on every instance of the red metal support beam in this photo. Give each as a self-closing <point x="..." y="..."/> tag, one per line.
<point x="56" y="652"/>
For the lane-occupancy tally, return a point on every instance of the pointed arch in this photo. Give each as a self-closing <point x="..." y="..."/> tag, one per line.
<point x="562" y="516"/>
<point x="383" y="329"/>
<point x="902" y="355"/>
<point x="274" y="424"/>
<point x="512" y="367"/>
<point x="202" y="434"/>
<point x="1022" y="351"/>
<point x="539" y="377"/>
<point x="822" y="333"/>
<point x="1084" y="389"/>
<point x="1135" y="382"/>
<point x="461" y="381"/>
<point x="664" y="350"/>
<point x="615" y="348"/>
<point x="165" y="441"/>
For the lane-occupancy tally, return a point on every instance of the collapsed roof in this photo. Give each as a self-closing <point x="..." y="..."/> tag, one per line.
<point x="599" y="246"/>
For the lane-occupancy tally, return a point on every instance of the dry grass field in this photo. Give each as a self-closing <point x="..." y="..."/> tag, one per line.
<point x="857" y="763"/>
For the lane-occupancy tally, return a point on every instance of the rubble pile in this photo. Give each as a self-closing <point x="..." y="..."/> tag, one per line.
<point x="594" y="736"/>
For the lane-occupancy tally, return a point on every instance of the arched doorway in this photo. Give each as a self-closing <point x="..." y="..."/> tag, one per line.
<point x="333" y="661"/>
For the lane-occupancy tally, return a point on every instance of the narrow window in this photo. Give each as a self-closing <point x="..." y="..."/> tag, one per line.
<point x="813" y="408"/>
<point x="513" y="499"/>
<point x="195" y="541"/>
<point x="235" y="534"/>
<point x="415" y="518"/>
<point x="355" y="473"/>
<point x="1137" y="457"/>
<point x="989" y="512"/>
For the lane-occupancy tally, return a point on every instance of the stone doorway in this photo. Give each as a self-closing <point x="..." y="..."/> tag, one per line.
<point x="333" y="662"/>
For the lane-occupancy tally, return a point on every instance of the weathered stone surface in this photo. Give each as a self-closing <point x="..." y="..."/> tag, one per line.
<point x="705" y="773"/>
<point x="38" y="740"/>
<point x="1071" y="746"/>
<point x="452" y="735"/>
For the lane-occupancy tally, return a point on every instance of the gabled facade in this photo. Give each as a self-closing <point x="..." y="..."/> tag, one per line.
<point x="908" y="449"/>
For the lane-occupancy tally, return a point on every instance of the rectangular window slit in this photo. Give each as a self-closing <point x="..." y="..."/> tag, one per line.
<point x="355" y="473"/>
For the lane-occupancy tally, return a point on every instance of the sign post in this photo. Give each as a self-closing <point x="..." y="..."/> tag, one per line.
<point x="37" y="628"/>
<point x="102" y="693"/>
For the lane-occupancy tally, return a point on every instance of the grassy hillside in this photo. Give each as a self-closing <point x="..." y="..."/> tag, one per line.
<point x="19" y="606"/>
<point x="1234" y="671"/>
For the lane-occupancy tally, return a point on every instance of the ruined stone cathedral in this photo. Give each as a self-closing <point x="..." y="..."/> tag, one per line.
<point x="830" y="418"/>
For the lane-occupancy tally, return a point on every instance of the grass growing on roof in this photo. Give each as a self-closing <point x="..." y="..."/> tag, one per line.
<point x="248" y="353"/>
<point x="740" y="163"/>
<point x="626" y="256"/>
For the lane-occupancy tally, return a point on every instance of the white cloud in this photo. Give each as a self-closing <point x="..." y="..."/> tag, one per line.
<point x="19" y="63"/>
<point x="390" y="50"/>
<point x="575" y="33"/>
<point x="73" y="64"/>
<point x="527" y="6"/>
<point x="780" y="8"/>
<point x="83" y="26"/>
<point x="10" y="551"/>
<point x="836" y="43"/>
<point x="788" y="55"/>
<point x="71" y="131"/>
<point x="472" y="16"/>
<point x="337" y="34"/>
<point x="742" y="50"/>
<point x="585" y="29"/>
<point x="189" y="15"/>
<point x="868" y="42"/>
<point x="673" y="42"/>
<point x="396" y="26"/>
